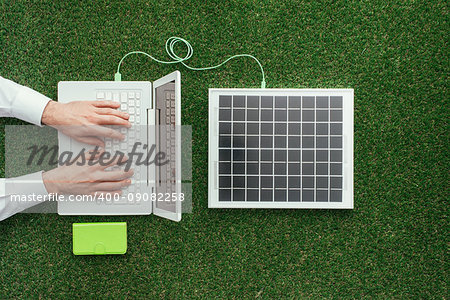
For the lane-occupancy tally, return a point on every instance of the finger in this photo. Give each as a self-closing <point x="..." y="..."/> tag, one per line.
<point x="112" y="120"/>
<point x="90" y="155"/>
<point x="115" y="175"/>
<point x="91" y="141"/>
<point x="108" y="160"/>
<point x="112" y="112"/>
<point x="95" y="153"/>
<point x="106" y="132"/>
<point x="105" y="103"/>
<point x="112" y="185"/>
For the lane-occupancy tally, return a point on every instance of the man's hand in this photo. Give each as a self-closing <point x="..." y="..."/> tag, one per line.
<point x="87" y="179"/>
<point x="83" y="120"/>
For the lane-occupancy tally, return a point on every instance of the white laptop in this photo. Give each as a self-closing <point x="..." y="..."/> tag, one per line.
<point x="155" y="114"/>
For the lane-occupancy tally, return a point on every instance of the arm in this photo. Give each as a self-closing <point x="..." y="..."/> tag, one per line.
<point x="74" y="179"/>
<point x="17" y="101"/>
<point x="23" y="185"/>
<point x="82" y="120"/>
<point x="26" y="104"/>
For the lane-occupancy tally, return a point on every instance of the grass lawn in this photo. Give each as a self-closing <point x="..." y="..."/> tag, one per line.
<point x="394" y="243"/>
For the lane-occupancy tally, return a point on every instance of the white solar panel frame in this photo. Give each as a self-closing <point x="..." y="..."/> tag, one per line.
<point x="347" y="148"/>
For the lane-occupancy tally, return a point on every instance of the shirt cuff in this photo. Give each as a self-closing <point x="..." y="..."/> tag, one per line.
<point x="31" y="184"/>
<point x="29" y="105"/>
<point x="26" y="185"/>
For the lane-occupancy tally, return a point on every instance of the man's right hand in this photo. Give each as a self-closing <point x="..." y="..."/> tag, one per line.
<point x="87" y="179"/>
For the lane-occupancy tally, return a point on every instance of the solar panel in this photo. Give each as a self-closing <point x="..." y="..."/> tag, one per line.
<point x="280" y="148"/>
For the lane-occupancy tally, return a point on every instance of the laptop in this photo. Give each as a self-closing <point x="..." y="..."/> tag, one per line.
<point x="155" y="114"/>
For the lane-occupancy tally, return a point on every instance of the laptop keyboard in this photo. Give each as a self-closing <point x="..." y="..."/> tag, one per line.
<point x="166" y="141"/>
<point x="130" y="102"/>
<point x="167" y="123"/>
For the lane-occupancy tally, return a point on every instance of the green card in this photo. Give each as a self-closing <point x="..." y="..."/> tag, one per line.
<point x="99" y="238"/>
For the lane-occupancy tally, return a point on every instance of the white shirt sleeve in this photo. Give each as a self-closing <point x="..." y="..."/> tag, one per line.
<point x="20" y="193"/>
<point x="17" y="101"/>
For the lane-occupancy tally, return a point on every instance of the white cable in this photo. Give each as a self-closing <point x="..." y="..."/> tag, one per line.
<point x="170" y="45"/>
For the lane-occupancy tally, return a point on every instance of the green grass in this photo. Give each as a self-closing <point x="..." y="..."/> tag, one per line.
<point x="394" y="244"/>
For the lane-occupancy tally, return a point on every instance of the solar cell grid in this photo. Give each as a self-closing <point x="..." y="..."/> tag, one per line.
<point x="280" y="148"/>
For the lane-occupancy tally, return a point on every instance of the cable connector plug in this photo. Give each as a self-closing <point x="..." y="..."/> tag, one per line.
<point x="117" y="77"/>
<point x="263" y="84"/>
